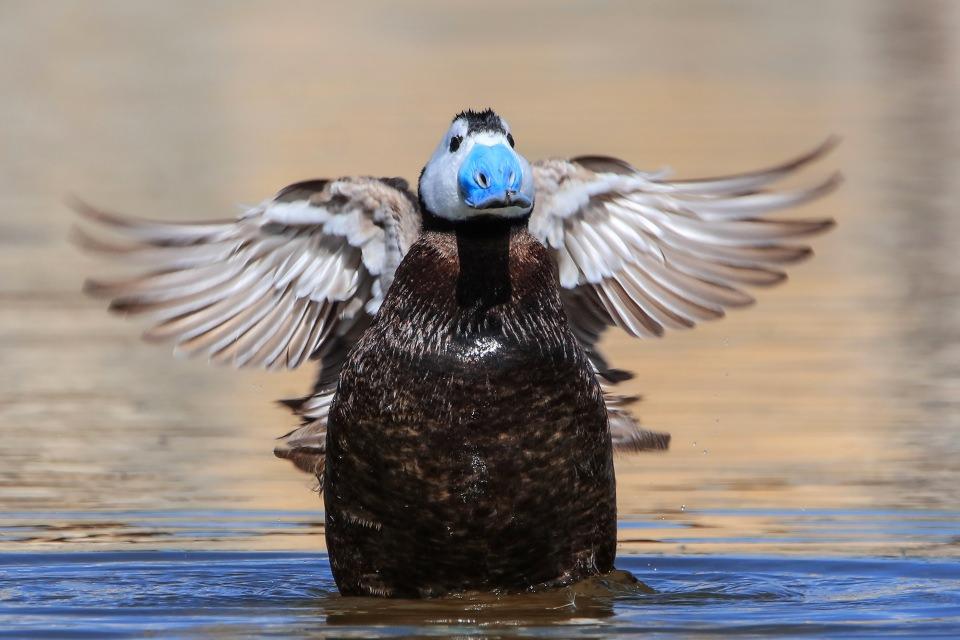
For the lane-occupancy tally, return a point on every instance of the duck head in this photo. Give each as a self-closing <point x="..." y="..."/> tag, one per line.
<point x="475" y="171"/>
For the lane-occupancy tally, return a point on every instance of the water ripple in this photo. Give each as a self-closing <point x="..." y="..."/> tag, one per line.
<point x="240" y="594"/>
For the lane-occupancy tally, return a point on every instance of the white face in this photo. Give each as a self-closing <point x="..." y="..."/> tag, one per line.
<point x="458" y="184"/>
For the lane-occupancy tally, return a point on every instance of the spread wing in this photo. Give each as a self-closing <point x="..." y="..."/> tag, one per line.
<point x="297" y="277"/>
<point x="647" y="254"/>
<point x="270" y="289"/>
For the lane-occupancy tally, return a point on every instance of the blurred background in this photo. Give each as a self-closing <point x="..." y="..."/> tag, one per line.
<point x="838" y="393"/>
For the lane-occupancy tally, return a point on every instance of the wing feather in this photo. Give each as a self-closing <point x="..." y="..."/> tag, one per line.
<point x="268" y="288"/>
<point x="644" y="253"/>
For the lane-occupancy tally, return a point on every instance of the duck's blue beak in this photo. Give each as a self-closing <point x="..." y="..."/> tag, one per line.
<point x="491" y="178"/>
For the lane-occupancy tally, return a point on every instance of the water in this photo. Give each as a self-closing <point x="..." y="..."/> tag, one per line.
<point x="127" y="591"/>
<point x="811" y="487"/>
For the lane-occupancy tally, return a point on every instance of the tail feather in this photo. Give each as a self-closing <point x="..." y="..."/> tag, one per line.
<point x="625" y="430"/>
<point x="305" y="447"/>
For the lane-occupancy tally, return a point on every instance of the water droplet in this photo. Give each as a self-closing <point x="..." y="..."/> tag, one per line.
<point x="683" y="507"/>
<point x="705" y="452"/>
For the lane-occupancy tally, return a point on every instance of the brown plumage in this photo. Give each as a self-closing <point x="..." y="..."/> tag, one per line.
<point x="468" y="445"/>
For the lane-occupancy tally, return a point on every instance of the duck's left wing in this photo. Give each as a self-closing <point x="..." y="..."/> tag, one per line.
<point x="647" y="254"/>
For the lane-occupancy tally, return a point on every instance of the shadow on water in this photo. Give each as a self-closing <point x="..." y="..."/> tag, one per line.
<point x="591" y="599"/>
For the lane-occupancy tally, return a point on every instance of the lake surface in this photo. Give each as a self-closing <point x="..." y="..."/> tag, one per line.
<point x="811" y="485"/>
<point x="697" y="591"/>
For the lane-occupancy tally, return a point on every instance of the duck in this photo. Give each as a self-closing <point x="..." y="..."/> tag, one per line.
<point x="463" y="422"/>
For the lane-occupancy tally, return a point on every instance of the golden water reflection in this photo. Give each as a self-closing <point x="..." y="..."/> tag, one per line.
<point x="840" y="390"/>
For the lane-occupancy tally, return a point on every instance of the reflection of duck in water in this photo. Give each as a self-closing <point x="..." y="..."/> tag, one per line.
<point x="461" y="423"/>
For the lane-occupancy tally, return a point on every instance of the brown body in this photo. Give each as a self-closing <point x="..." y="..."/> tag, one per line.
<point x="468" y="445"/>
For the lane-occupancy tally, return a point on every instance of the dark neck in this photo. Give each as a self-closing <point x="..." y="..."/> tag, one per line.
<point x="483" y="249"/>
<point x="479" y="225"/>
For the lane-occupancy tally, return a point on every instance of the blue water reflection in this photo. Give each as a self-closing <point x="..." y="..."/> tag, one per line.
<point x="240" y="594"/>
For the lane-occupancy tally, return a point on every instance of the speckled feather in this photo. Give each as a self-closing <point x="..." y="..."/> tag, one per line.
<point x="468" y="445"/>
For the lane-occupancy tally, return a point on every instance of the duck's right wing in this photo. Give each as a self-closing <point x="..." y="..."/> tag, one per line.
<point x="298" y="276"/>
<point x="272" y="288"/>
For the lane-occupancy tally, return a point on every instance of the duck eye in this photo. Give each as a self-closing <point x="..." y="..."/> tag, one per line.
<point x="455" y="143"/>
<point x="510" y="139"/>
